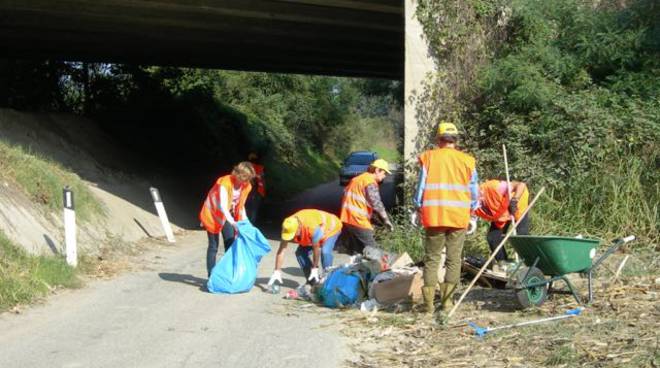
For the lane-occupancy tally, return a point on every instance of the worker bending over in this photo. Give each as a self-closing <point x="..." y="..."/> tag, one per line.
<point x="497" y="208"/>
<point x="315" y="232"/>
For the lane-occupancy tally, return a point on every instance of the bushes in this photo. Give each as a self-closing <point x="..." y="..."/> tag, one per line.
<point x="566" y="97"/>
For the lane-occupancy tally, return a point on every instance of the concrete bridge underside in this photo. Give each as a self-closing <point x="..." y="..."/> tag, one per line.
<point x="334" y="37"/>
<point x="361" y="38"/>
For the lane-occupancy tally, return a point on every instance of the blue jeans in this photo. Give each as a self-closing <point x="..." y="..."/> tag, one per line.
<point x="214" y="239"/>
<point x="304" y="260"/>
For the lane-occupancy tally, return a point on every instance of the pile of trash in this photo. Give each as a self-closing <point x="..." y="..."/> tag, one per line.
<point x="375" y="280"/>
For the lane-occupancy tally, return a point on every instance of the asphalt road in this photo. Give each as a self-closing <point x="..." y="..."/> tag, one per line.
<point x="160" y="316"/>
<point x="326" y="197"/>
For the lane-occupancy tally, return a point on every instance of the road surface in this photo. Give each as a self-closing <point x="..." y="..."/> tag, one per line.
<point x="160" y="316"/>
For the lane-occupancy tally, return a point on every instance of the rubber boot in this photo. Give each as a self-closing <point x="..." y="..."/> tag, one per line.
<point x="447" y="296"/>
<point x="429" y="295"/>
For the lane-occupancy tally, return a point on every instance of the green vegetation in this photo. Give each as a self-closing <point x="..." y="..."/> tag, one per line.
<point x="43" y="181"/>
<point x="25" y="278"/>
<point x="303" y="126"/>
<point x="575" y="95"/>
<point x="572" y="88"/>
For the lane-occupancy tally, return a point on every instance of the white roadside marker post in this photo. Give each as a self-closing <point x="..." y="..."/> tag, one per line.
<point x="70" y="228"/>
<point x="160" y="208"/>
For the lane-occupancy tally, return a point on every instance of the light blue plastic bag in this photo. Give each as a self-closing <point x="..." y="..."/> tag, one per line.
<point x="237" y="270"/>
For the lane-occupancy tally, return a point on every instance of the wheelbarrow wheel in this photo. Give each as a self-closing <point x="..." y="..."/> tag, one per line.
<point x="530" y="296"/>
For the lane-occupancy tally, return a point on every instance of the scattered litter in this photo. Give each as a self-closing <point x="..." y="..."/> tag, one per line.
<point x="302" y="292"/>
<point x="369" y="305"/>
<point x="274" y="288"/>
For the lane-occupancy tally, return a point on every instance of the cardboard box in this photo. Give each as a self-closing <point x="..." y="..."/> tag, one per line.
<point x="399" y="289"/>
<point x="403" y="260"/>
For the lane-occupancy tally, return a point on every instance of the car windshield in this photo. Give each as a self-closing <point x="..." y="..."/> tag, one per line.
<point x="359" y="160"/>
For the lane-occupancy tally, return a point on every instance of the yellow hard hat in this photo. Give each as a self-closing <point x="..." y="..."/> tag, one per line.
<point x="381" y="164"/>
<point x="447" y="129"/>
<point x="289" y="228"/>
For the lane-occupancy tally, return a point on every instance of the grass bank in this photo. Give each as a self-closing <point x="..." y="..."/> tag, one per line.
<point x="25" y="278"/>
<point x="43" y="180"/>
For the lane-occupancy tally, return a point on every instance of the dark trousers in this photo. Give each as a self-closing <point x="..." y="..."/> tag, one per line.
<point x="355" y="239"/>
<point x="214" y="239"/>
<point x="495" y="236"/>
<point x="252" y="205"/>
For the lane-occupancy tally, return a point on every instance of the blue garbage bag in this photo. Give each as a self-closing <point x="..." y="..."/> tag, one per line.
<point x="237" y="270"/>
<point x="343" y="287"/>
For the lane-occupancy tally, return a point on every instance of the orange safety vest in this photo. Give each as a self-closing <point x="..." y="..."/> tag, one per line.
<point x="259" y="179"/>
<point x="310" y="220"/>
<point x="355" y="209"/>
<point x="446" y="197"/>
<point x="211" y="217"/>
<point x="495" y="206"/>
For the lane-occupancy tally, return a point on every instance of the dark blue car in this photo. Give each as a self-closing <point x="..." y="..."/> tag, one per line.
<point x="355" y="164"/>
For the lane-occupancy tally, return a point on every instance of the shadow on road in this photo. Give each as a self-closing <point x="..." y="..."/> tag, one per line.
<point x="293" y="271"/>
<point x="262" y="283"/>
<point x="184" y="279"/>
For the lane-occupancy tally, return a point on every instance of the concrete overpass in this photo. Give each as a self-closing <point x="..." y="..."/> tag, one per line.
<point x="362" y="38"/>
<point x="337" y="37"/>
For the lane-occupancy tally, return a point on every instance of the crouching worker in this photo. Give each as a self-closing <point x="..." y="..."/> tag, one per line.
<point x="497" y="208"/>
<point x="315" y="232"/>
<point x="225" y="205"/>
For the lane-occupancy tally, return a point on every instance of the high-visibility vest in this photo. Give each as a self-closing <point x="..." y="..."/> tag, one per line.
<point x="259" y="179"/>
<point x="211" y="216"/>
<point x="446" y="197"/>
<point x="495" y="206"/>
<point x="310" y="220"/>
<point x="355" y="209"/>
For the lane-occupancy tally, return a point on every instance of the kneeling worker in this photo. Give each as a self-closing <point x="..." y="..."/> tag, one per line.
<point x="314" y="231"/>
<point x="497" y="208"/>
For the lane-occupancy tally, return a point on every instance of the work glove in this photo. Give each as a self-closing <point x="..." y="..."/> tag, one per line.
<point x="472" y="227"/>
<point x="314" y="275"/>
<point x="277" y="276"/>
<point x="513" y="206"/>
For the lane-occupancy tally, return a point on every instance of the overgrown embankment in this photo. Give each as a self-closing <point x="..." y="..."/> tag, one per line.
<point x="572" y="88"/>
<point x="42" y="180"/>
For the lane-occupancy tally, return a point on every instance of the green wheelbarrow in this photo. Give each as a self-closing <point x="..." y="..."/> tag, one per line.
<point x="548" y="259"/>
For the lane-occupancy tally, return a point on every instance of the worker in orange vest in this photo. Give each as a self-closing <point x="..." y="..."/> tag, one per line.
<point x="496" y="208"/>
<point x="447" y="194"/>
<point x="256" y="196"/>
<point x="314" y="231"/>
<point x="361" y="199"/>
<point x="225" y="203"/>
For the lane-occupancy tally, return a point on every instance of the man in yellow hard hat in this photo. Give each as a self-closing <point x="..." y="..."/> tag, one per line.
<point x="314" y="231"/>
<point x="447" y="195"/>
<point x="361" y="199"/>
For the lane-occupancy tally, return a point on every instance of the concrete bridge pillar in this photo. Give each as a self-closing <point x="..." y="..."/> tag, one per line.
<point x="419" y="63"/>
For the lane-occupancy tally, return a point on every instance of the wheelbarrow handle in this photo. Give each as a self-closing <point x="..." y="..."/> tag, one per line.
<point x="628" y="239"/>
<point x="617" y="243"/>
